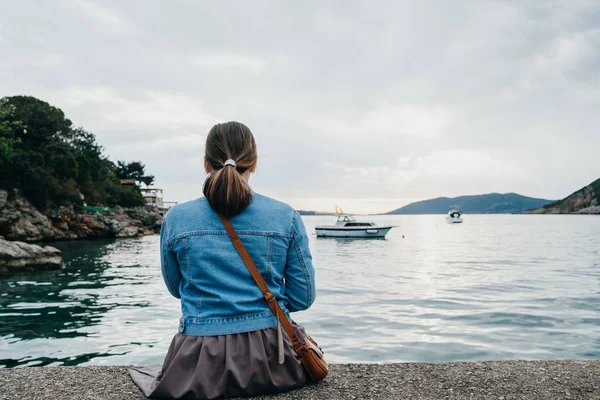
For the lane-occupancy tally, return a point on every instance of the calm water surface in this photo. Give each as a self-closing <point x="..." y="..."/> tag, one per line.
<point x="495" y="287"/>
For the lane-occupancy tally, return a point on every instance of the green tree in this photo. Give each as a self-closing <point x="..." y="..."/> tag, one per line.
<point x="134" y="170"/>
<point x="8" y="141"/>
<point x="53" y="163"/>
<point x="42" y="163"/>
<point x="43" y="123"/>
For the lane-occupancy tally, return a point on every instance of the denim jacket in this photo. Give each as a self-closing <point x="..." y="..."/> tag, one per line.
<point x="201" y="266"/>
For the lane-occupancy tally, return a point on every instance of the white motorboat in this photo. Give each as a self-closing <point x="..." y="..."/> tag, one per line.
<point x="454" y="216"/>
<point x="348" y="227"/>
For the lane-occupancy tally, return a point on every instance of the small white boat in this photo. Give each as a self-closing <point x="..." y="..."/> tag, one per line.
<point x="454" y="216"/>
<point x="348" y="227"/>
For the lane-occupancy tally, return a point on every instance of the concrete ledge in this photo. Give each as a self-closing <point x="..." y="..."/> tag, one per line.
<point x="486" y="380"/>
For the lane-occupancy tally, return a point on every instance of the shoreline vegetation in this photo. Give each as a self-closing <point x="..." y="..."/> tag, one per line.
<point x="52" y="163"/>
<point x="56" y="183"/>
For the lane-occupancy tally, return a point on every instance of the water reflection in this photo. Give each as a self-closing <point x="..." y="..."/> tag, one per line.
<point x="46" y="305"/>
<point x="496" y="287"/>
<point x="64" y="304"/>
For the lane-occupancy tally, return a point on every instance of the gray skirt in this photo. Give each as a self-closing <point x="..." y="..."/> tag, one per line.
<point x="212" y="367"/>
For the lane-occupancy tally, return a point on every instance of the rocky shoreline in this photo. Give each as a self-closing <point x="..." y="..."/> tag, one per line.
<point x="584" y="201"/>
<point x="21" y="221"/>
<point x="592" y="210"/>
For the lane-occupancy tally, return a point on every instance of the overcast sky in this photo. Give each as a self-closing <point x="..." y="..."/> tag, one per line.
<point x="369" y="105"/>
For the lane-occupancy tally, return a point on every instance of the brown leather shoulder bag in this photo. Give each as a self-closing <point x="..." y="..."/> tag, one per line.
<point x="310" y="355"/>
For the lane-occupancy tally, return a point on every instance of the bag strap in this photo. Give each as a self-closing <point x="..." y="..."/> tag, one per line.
<point x="299" y="347"/>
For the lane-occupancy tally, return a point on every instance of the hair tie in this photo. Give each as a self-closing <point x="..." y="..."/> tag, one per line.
<point x="229" y="162"/>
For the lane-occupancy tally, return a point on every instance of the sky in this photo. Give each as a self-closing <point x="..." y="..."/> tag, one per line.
<point x="366" y="105"/>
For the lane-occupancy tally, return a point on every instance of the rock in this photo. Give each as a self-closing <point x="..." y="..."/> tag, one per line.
<point x="89" y="226"/>
<point x="20" y="220"/>
<point x="19" y="256"/>
<point x="148" y="232"/>
<point x="148" y="216"/>
<point x="590" y="210"/>
<point x="128" y="231"/>
<point x="120" y="225"/>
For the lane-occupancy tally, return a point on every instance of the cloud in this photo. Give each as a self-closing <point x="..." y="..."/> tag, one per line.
<point x="372" y="103"/>
<point x="147" y="109"/>
<point x="409" y="119"/>
<point x="101" y="16"/>
<point x="224" y="60"/>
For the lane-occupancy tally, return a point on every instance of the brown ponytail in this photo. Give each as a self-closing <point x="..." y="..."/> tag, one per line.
<point x="225" y="189"/>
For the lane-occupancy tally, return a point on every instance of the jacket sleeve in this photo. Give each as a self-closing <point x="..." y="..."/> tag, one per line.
<point x="168" y="262"/>
<point x="299" y="272"/>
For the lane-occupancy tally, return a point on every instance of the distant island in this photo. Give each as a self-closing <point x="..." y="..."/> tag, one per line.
<point x="492" y="203"/>
<point x="306" y="212"/>
<point x="584" y="201"/>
